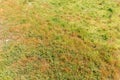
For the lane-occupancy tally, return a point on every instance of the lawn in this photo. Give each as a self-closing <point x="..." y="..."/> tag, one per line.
<point x="60" y="40"/>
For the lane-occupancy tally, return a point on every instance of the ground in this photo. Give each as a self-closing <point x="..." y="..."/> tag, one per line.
<point x="60" y="40"/>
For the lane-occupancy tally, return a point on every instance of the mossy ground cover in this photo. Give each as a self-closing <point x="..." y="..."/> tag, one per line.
<point x="60" y="40"/>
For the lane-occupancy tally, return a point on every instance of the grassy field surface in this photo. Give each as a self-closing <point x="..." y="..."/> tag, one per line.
<point x="60" y="40"/>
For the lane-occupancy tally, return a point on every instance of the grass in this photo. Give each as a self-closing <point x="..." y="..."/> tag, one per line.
<point x="60" y="40"/>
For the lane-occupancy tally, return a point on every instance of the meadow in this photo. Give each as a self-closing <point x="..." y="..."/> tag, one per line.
<point x="60" y="40"/>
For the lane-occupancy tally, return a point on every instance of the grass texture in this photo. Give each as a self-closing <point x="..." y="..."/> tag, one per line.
<point x="60" y="40"/>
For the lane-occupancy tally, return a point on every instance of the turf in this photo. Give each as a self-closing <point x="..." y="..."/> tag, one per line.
<point x="60" y="40"/>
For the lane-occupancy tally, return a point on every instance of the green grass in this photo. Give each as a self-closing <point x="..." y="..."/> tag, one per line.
<point x="60" y="40"/>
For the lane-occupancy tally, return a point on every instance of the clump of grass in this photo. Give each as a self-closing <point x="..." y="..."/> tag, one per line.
<point x="60" y="40"/>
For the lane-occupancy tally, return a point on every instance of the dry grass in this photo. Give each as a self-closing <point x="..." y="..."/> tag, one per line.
<point x="60" y="40"/>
